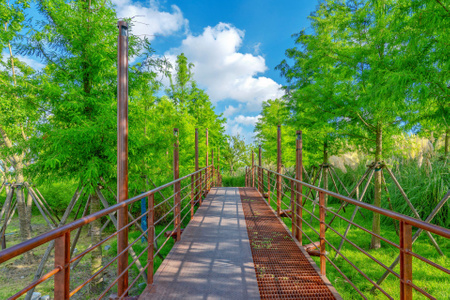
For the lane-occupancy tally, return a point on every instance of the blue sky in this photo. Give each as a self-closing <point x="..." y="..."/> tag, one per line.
<point x="234" y="44"/>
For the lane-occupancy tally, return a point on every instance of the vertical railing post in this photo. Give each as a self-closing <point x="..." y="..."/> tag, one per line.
<point x="207" y="161"/>
<point x="405" y="261"/>
<point x="299" y="176"/>
<point x="62" y="259"/>
<point x="204" y="184"/>
<point x="293" y="219"/>
<point x="122" y="155"/>
<point x="192" y="195"/>
<point x="200" y="184"/>
<point x="197" y="175"/>
<point x="322" y="234"/>
<point x="268" y="187"/>
<point x="260" y="173"/>
<point x="253" y="169"/>
<point x="245" y="176"/>
<point x="151" y="237"/>
<point x="279" y="170"/>
<point x="212" y="169"/>
<point x="218" y="167"/>
<point x="176" y="191"/>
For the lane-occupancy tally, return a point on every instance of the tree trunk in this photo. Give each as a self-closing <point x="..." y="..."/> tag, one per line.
<point x="375" y="243"/>
<point x="96" y="254"/>
<point x="29" y="206"/>
<point x="24" y="220"/>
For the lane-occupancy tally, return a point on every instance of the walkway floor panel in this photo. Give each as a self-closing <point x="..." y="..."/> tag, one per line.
<point x="213" y="260"/>
<point x="283" y="269"/>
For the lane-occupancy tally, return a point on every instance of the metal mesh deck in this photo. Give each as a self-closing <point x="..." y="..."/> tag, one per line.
<point x="282" y="270"/>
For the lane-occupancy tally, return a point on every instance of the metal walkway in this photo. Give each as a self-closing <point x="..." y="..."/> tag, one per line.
<point x="214" y="258"/>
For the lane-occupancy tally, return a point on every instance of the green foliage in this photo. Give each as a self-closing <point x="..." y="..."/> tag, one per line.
<point x="78" y="141"/>
<point x="369" y="70"/>
<point x="233" y="181"/>
<point x="424" y="187"/>
<point x="58" y="194"/>
<point x="236" y="154"/>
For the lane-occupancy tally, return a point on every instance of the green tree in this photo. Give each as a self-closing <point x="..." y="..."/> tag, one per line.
<point x="19" y="112"/>
<point x="352" y="51"/>
<point x="235" y="153"/>
<point x="78" y="140"/>
<point x="194" y="101"/>
<point x="179" y="89"/>
<point x="274" y="113"/>
<point x="423" y="63"/>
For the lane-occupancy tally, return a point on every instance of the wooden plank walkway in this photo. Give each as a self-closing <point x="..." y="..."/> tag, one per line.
<point x="215" y="258"/>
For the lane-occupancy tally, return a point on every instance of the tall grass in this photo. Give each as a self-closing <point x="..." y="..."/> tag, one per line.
<point x="424" y="187"/>
<point x="233" y="181"/>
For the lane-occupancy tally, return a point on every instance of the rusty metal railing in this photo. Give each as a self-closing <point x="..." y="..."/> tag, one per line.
<point x="188" y="191"/>
<point x="291" y="189"/>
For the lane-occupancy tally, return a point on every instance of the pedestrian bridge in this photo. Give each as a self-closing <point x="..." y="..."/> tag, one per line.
<point x="233" y="243"/>
<point x="237" y="248"/>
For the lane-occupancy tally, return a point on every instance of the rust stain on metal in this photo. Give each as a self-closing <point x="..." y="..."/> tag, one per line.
<point x="282" y="270"/>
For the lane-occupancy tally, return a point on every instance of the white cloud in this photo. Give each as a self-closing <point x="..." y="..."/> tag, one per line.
<point x="36" y="65"/>
<point x="242" y="125"/>
<point x="225" y="72"/>
<point x="151" y="21"/>
<point x="31" y="62"/>
<point x="236" y="129"/>
<point x="246" y="120"/>
<point x="231" y="110"/>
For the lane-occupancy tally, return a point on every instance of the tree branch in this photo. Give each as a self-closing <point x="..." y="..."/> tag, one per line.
<point x="443" y="6"/>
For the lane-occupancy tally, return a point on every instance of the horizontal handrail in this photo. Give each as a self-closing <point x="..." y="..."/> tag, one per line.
<point x="30" y="244"/>
<point x="296" y="216"/>
<point x="397" y="216"/>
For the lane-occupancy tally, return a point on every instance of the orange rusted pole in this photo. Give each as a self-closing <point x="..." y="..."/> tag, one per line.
<point x="192" y="195"/>
<point x="260" y="173"/>
<point x="299" y="176"/>
<point x="268" y="187"/>
<point x="197" y="175"/>
<point x="62" y="259"/>
<point x="219" y="180"/>
<point x="253" y="168"/>
<point x="279" y="170"/>
<point x="212" y="169"/>
<point x="207" y="162"/>
<point x="293" y="219"/>
<point x="246" y="176"/>
<point x="323" y="261"/>
<point x="405" y="261"/>
<point x="150" y="239"/>
<point x="176" y="175"/>
<point x="122" y="155"/>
